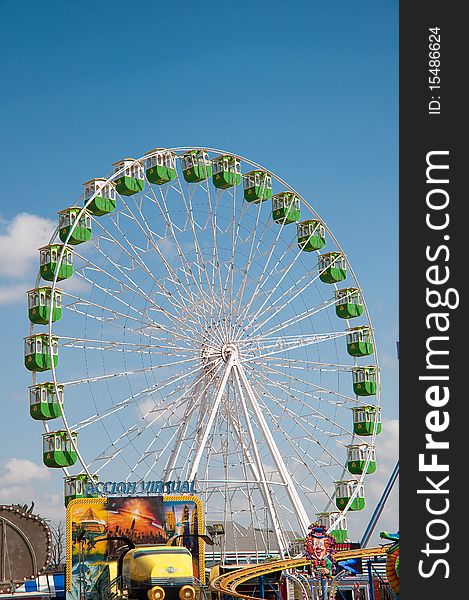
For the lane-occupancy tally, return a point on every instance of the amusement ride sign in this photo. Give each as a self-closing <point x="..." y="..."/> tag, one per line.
<point x="136" y="488"/>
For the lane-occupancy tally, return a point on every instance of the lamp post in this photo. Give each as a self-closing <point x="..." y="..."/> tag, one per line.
<point x="215" y="530"/>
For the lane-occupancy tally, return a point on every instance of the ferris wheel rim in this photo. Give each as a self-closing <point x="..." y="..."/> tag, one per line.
<point x="289" y="188"/>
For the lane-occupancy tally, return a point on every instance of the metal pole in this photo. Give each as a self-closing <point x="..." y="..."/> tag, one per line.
<point x="301" y="514"/>
<point x="380" y="506"/>
<point x="370" y="580"/>
<point x="213" y="414"/>
<point x="323" y="588"/>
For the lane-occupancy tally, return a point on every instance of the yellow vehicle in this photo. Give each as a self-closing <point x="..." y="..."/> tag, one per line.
<point x="153" y="572"/>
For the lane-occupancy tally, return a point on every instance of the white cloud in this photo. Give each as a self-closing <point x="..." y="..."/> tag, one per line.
<point x="17" y="292"/>
<point x="13" y="293"/>
<point x="19" y="241"/>
<point x="19" y="470"/>
<point x="23" y="481"/>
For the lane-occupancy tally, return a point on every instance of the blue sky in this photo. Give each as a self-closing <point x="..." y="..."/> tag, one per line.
<point x="309" y="89"/>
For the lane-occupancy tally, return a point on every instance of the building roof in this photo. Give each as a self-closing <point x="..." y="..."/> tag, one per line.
<point x="238" y="538"/>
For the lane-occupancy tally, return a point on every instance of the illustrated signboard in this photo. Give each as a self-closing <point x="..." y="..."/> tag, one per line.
<point x="92" y="558"/>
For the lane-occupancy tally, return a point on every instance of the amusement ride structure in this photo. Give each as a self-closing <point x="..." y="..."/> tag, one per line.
<point x="195" y="319"/>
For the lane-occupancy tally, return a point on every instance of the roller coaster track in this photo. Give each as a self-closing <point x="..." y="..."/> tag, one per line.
<point x="227" y="584"/>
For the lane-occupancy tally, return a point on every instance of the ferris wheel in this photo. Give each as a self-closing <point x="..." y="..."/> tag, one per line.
<point x="196" y="320"/>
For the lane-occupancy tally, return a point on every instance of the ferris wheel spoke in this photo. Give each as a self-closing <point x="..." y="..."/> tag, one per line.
<point x="316" y="414"/>
<point x="196" y="437"/>
<point x="175" y="405"/>
<point x="211" y="418"/>
<point x="183" y="429"/>
<point x="257" y="468"/>
<point x="137" y="259"/>
<point x="247" y="491"/>
<point x="209" y="307"/>
<point x="192" y="443"/>
<point x="296" y="446"/>
<point x="214" y="302"/>
<point x="180" y="402"/>
<point x="136" y="397"/>
<point x="150" y="236"/>
<point x="229" y="279"/>
<point x="284" y="344"/>
<point x="296" y="442"/>
<point x="192" y="222"/>
<point x="114" y="315"/>
<point x="320" y="389"/>
<point x="103" y="460"/>
<point x="285" y="305"/>
<point x="275" y="453"/>
<point x="260" y="249"/>
<point x="131" y="307"/>
<point x="122" y="442"/>
<point x="128" y="373"/>
<point x="135" y="289"/>
<point x="281" y="308"/>
<point x="292" y="321"/>
<point x="216" y="263"/>
<point x="222" y="316"/>
<point x="135" y="427"/>
<point x="128" y="347"/>
<point x="262" y="279"/>
<point x="312" y="413"/>
<point x="143" y="330"/>
<point x="238" y="298"/>
<point x="302" y="364"/>
<point x="294" y="287"/>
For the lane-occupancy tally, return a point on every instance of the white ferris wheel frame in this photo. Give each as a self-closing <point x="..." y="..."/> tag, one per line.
<point x="235" y="367"/>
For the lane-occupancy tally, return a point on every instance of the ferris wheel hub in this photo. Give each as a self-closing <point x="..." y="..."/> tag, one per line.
<point x="212" y="354"/>
<point x="228" y="350"/>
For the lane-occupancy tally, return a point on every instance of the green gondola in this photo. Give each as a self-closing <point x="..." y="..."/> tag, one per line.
<point x="311" y="235"/>
<point x="365" y="380"/>
<point x="40" y="305"/>
<point x="196" y="166"/>
<point x="332" y="267"/>
<point x="357" y="456"/>
<point x="367" y="420"/>
<point x="360" y="341"/>
<point x="257" y="186"/>
<point x="226" y="171"/>
<point x="76" y="222"/>
<point x="348" y="303"/>
<point x="344" y="490"/>
<point x="37" y="352"/>
<point x="103" y="196"/>
<point x="49" y="257"/>
<point x="44" y="403"/>
<point x="58" y="450"/>
<point x="286" y="208"/>
<point x="160" y="165"/>
<point x="75" y="487"/>
<point x="132" y="179"/>
<point x="337" y="521"/>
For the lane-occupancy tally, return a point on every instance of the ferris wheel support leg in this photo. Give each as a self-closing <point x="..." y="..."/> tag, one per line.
<point x="213" y="414"/>
<point x="300" y="511"/>
<point x="259" y="473"/>
<point x="168" y="471"/>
